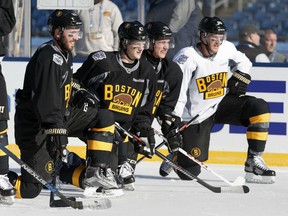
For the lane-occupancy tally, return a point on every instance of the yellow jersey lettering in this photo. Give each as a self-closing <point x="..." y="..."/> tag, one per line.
<point x="213" y="85"/>
<point x="108" y="92"/>
<point x="136" y="99"/>
<point x="67" y="93"/>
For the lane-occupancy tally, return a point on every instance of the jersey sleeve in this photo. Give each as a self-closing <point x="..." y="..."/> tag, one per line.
<point x="173" y="79"/>
<point x="243" y="64"/>
<point x="145" y="117"/>
<point x="48" y="97"/>
<point x="188" y="66"/>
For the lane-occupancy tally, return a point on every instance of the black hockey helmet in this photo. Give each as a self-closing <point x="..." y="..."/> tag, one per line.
<point x="158" y="31"/>
<point x="212" y="25"/>
<point x="63" y="19"/>
<point x="132" y="31"/>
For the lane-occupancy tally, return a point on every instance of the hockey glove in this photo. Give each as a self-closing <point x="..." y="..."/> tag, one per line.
<point x="56" y="143"/>
<point x="170" y="129"/>
<point x="82" y="96"/>
<point x="238" y="83"/>
<point x="147" y="143"/>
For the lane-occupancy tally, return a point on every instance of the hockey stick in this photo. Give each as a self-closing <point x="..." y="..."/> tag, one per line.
<point x="52" y="202"/>
<point x="239" y="180"/>
<point x="132" y="136"/>
<point x="187" y="124"/>
<point x="230" y="189"/>
<point x="85" y="204"/>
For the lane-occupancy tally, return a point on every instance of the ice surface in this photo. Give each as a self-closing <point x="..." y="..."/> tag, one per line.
<point x="155" y="195"/>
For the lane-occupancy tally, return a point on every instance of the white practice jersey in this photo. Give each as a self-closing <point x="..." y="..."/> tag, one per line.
<point x="205" y="79"/>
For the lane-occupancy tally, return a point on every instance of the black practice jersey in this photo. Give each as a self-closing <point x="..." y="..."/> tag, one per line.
<point x="125" y="90"/>
<point x="47" y="84"/>
<point x="169" y="79"/>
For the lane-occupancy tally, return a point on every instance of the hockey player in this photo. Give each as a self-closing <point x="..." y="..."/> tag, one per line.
<point x="126" y="85"/>
<point x="45" y="118"/>
<point x="206" y="87"/>
<point x="7" y="17"/>
<point x="169" y="78"/>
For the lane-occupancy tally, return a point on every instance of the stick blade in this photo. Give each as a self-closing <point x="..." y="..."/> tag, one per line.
<point x="235" y="189"/>
<point x="60" y="203"/>
<point x="96" y="204"/>
<point x="83" y="203"/>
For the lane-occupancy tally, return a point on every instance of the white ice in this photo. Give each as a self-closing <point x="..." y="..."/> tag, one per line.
<point x="155" y="195"/>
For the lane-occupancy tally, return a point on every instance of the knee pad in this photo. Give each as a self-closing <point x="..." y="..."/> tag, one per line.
<point x="255" y="107"/>
<point x="194" y="170"/>
<point x="40" y="162"/>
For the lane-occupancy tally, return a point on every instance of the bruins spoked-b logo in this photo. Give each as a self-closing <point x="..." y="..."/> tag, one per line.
<point x="49" y="166"/>
<point x="195" y="152"/>
<point x="212" y="85"/>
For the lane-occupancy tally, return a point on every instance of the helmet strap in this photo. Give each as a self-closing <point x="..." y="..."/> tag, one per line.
<point x="206" y="46"/>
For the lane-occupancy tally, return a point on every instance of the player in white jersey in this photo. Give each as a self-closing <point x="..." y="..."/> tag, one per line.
<point x="209" y="90"/>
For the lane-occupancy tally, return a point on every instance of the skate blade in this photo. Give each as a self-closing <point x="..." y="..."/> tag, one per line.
<point x="258" y="179"/>
<point x="129" y="187"/>
<point x="7" y="200"/>
<point x="92" y="192"/>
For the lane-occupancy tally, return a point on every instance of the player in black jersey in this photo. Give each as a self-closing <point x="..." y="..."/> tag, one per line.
<point x="46" y="115"/>
<point x="169" y="79"/>
<point x="126" y="85"/>
<point x="7" y="17"/>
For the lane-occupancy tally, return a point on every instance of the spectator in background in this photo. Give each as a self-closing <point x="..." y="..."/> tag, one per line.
<point x="100" y="28"/>
<point x="269" y="41"/>
<point x="249" y="43"/>
<point x="182" y="17"/>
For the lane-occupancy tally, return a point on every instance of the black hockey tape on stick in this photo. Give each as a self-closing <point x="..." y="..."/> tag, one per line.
<point x="228" y="189"/>
<point x="85" y="204"/>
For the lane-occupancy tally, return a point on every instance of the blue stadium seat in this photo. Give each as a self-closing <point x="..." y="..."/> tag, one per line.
<point x="260" y="16"/>
<point x="268" y="24"/>
<point x="254" y="7"/>
<point x="237" y="16"/>
<point x="282" y="16"/>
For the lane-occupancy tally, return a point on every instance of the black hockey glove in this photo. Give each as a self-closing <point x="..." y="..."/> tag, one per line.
<point x="147" y="143"/>
<point x="56" y="143"/>
<point x="80" y="96"/>
<point x="238" y="83"/>
<point x="170" y="129"/>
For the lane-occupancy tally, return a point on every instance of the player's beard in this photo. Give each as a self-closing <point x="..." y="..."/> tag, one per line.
<point x="67" y="45"/>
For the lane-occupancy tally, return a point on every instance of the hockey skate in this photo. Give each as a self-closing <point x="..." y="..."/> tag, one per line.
<point x="126" y="176"/>
<point x="7" y="191"/>
<point x="100" y="182"/>
<point x="165" y="168"/>
<point x="257" y="171"/>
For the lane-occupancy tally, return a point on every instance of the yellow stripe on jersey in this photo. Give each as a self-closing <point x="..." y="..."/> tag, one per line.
<point x="99" y="145"/>
<point x="105" y="129"/>
<point x="260" y="118"/>
<point x="76" y="176"/>
<point x="257" y="135"/>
